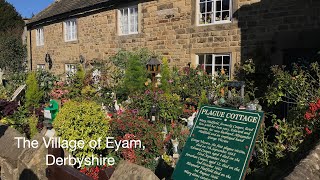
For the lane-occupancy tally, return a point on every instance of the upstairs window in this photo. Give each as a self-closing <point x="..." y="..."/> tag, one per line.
<point x="71" y="70"/>
<point x="40" y="37"/>
<point x="214" y="63"/>
<point x="214" y="11"/>
<point x="128" y="18"/>
<point x="70" y="30"/>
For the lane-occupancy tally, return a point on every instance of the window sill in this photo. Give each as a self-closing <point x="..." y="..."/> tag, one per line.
<point x="129" y="34"/>
<point x="72" y="41"/>
<point x="39" y="46"/>
<point x="216" y="23"/>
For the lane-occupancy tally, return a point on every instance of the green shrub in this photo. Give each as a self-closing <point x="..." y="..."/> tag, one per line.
<point x="82" y="121"/>
<point x="135" y="75"/>
<point x="46" y="82"/>
<point x="33" y="122"/>
<point x="77" y="83"/>
<point x="298" y="87"/>
<point x="166" y="76"/>
<point x="170" y="106"/>
<point x="33" y="93"/>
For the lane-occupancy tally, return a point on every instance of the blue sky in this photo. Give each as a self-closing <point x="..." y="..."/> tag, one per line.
<point x="27" y="7"/>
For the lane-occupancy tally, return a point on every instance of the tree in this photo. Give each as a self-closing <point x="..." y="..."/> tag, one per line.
<point x="11" y="48"/>
<point x="11" y="22"/>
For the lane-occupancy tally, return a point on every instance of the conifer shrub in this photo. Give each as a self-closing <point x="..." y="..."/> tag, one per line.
<point x="135" y="75"/>
<point x="33" y="93"/>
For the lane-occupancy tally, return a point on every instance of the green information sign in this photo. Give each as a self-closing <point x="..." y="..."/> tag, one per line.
<point x="220" y="144"/>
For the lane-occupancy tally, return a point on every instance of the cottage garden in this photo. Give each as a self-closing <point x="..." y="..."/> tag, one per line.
<point x="138" y="96"/>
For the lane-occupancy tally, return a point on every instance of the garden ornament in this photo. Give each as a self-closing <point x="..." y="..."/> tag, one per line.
<point x="190" y="120"/>
<point x="175" y="144"/>
<point x="164" y="132"/>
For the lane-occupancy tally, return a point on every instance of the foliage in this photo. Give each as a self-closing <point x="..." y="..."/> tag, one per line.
<point x="246" y="72"/>
<point x="166" y="76"/>
<point x="82" y="120"/>
<point x="4" y="93"/>
<point x="94" y="172"/>
<point x="18" y="119"/>
<point x="13" y="51"/>
<point x="179" y="131"/>
<point x="88" y="92"/>
<point x="33" y="93"/>
<point x="10" y="20"/>
<point x="7" y="108"/>
<point x="149" y="134"/>
<point x="46" y="82"/>
<point x="203" y="99"/>
<point x="60" y="91"/>
<point x="313" y="111"/>
<point x="33" y="123"/>
<point x="297" y="87"/>
<point x="190" y="83"/>
<point x="112" y="76"/>
<point x="135" y="75"/>
<point x="122" y="58"/>
<point x="289" y="137"/>
<point x="264" y="148"/>
<point x="170" y="106"/>
<point x="77" y="82"/>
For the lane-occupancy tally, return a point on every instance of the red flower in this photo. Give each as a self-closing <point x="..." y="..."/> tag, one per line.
<point x="308" y="116"/>
<point x="313" y="107"/>
<point x="318" y="103"/>
<point x="308" y="130"/>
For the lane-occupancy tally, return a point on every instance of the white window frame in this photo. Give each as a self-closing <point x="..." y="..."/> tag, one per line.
<point x="40" y="36"/>
<point x="128" y="20"/>
<point x="70" y="70"/>
<point x="41" y="66"/>
<point x="214" y="62"/>
<point x="70" y="30"/>
<point x="214" y="11"/>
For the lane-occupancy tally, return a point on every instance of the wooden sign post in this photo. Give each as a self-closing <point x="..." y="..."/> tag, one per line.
<point x="220" y="144"/>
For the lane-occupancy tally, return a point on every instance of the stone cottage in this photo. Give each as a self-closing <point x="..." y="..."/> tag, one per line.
<point x="213" y="33"/>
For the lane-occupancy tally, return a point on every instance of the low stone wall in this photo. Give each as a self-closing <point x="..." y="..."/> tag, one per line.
<point x="19" y="163"/>
<point x="308" y="168"/>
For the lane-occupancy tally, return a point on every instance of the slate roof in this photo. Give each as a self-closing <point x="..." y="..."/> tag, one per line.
<point x="64" y="6"/>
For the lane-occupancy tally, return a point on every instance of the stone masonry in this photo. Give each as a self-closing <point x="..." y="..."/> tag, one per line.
<point x="170" y="28"/>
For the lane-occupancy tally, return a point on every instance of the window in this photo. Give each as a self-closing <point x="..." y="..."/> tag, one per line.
<point x="214" y="63"/>
<point x="70" y="30"/>
<point x="128" y="18"/>
<point x="70" y="70"/>
<point x="40" y="37"/>
<point x="41" y="66"/>
<point x="214" y="11"/>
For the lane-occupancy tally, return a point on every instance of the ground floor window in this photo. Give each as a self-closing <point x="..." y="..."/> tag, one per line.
<point x="214" y="63"/>
<point x="70" y="70"/>
<point x="41" y="66"/>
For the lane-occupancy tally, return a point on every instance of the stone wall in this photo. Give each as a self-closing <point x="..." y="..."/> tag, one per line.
<point x="20" y="163"/>
<point x="169" y="28"/>
<point x="166" y="27"/>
